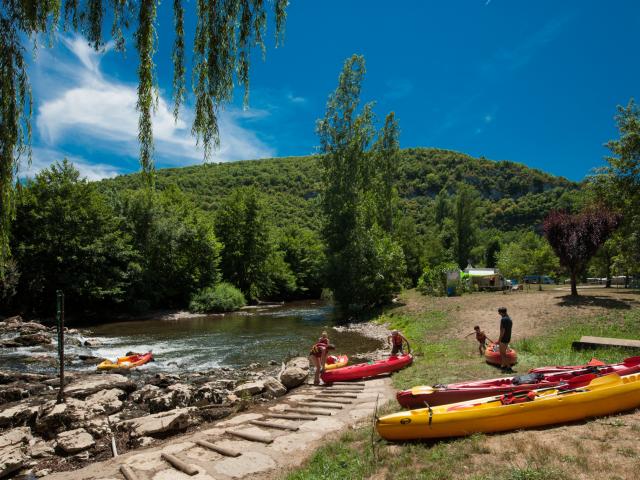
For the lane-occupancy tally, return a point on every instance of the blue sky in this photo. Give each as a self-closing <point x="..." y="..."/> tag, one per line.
<point x="534" y="82"/>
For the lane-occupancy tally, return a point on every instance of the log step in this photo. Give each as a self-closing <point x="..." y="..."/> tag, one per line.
<point x="324" y="400"/>
<point x="291" y="417"/>
<point x="279" y="426"/>
<point x="309" y="411"/>
<point x="360" y="384"/>
<point x="310" y="404"/>
<point x="128" y="473"/>
<point x="336" y="395"/>
<point x="179" y="464"/>
<point x="221" y="450"/>
<point x="250" y="436"/>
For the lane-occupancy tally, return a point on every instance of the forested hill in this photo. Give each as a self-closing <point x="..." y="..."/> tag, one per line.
<point x="514" y="196"/>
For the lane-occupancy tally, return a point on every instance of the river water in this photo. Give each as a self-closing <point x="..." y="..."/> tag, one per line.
<point x="201" y="342"/>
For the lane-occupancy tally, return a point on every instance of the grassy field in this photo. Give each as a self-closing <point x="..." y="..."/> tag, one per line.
<point x="601" y="448"/>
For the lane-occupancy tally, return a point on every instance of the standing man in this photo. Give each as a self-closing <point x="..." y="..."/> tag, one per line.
<point x="505" y="338"/>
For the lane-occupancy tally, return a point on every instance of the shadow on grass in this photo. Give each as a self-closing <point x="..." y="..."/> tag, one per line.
<point x="596" y="301"/>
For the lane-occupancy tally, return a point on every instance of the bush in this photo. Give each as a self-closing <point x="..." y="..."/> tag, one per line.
<point x="434" y="279"/>
<point x="224" y="297"/>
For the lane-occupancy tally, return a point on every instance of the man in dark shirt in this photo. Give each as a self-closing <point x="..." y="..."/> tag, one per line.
<point x="505" y="338"/>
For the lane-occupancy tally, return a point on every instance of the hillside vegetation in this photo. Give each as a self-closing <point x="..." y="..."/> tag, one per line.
<point x="513" y="195"/>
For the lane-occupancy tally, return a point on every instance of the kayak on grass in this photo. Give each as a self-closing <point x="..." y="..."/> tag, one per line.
<point x="336" y="361"/>
<point x="130" y="361"/>
<point x="594" y="362"/>
<point x="576" y="400"/>
<point x="492" y="355"/>
<point x="422" y="395"/>
<point x="366" y="370"/>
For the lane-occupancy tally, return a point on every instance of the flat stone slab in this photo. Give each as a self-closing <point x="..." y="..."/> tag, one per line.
<point x="587" y="342"/>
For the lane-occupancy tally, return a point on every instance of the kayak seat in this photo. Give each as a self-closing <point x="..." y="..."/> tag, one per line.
<point x="527" y="379"/>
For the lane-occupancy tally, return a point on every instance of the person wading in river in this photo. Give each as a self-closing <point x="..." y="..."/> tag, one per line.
<point x="318" y="355"/>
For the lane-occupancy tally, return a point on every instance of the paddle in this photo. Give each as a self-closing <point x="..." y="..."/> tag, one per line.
<point x="576" y="383"/>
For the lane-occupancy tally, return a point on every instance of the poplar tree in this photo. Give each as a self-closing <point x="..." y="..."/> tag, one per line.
<point x="365" y="265"/>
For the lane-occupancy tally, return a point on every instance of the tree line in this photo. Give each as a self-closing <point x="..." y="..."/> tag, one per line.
<point x="133" y="249"/>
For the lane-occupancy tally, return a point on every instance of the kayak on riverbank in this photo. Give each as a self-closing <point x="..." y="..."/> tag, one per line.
<point x="601" y="396"/>
<point x="131" y="361"/>
<point x="366" y="370"/>
<point x="336" y="361"/>
<point x="422" y="395"/>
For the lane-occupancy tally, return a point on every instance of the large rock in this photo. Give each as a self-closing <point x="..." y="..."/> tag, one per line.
<point x="85" y="386"/>
<point x="178" y="395"/>
<point x="92" y="342"/>
<point x="40" y="449"/>
<point x="11" y="459"/>
<point x="299" y="362"/>
<point x="32" y="339"/>
<point x="273" y="388"/>
<point x="106" y="401"/>
<point x="32" y="327"/>
<point x="73" y="413"/>
<point x="17" y="415"/>
<point x="74" y="441"/>
<point x="293" y="377"/>
<point x="210" y="393"/>
<point x="146" y="393"/>
<point x="12" y="393"/>
<point x="15" y="436"/>
<point x="159" y="424"/>
<point x="249" y="389"/>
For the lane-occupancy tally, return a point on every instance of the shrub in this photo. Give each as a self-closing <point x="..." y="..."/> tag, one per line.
<point x="433" y="280"/>
<point x="224" y="297"/>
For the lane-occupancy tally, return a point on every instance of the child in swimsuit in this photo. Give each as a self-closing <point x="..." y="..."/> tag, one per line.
<point x="396" y="339"/>
<point x="482" y="338"/>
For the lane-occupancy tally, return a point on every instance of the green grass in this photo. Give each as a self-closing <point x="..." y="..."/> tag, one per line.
<point x="444" y="360"/>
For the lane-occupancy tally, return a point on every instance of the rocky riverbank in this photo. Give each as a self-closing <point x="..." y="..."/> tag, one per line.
<point x="124" y="409"/>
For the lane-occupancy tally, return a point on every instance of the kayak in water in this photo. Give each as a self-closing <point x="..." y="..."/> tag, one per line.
<point x="131" y="361"/>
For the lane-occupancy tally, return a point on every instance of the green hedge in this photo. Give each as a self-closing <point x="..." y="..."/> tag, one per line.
<point x="224" y="297"/>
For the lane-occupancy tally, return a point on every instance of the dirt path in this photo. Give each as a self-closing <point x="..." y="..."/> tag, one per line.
<point x="257" y="461"/>
<point x="531" y="311"/>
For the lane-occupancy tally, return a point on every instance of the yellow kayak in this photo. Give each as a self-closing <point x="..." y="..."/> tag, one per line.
<point x="337" y="361"/>
<point x="131" y="361"/>
<point x="602" y="396"/>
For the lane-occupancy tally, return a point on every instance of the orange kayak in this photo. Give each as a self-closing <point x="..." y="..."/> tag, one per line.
<point x="131" y="361"/>
<point x="336" y="361"/>
<point x="492" y="355"/>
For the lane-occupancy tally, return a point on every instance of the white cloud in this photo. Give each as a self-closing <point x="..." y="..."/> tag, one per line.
<point x="88" y="108"/>
<point x="488" y="118"/>
<point x="295" y="98"/>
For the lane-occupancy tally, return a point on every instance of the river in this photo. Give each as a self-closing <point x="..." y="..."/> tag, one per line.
<point x="193" y="343"/>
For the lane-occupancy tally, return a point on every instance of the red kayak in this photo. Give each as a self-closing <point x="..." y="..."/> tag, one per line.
<point x="417" y="397"/>
<point x="594" y="362"/>
<point x="366" y="370"/>
<point x="492" y="355"/>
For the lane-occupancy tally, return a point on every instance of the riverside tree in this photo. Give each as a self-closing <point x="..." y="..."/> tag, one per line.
<point x="365" y="265"/>
<point x="224" y="35"/>
<point x="575" y="238"/>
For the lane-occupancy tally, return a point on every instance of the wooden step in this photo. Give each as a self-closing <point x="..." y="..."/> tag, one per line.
<point x="128" y="473"/>
<point x="599" y="342"/>
<point x="324" y="400"/>
<point x="323" y="405"/>
<point x="291" y="417"/>
<point x="178" y="464"/>
<point x="336" y="395"/>
<point x="309" y="411"/>
<point x="250" y="436"/>
<point x="221" y="450"/>
<point x="278" y="426"/>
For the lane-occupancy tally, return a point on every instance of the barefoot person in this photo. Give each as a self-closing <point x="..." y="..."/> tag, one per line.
<point x="481" y="337"/>
<point x="318" y="355"/>
<point x="396" y="340"/>
<point x="505" y="338"/>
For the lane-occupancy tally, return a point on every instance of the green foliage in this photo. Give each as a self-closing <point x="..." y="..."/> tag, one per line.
<point x="433" y="280"/>
<point x="365" y="265"/>
<point x="225" y="33"/>
<point x="250" y="259"/>
<point x="304" y="254"/>
<point x="465" y="218"/>
<point x="224" y="297"/>
<point x="529" y="255"/>
<point x="66" y="236"/>
<point x="179" y="252"/>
